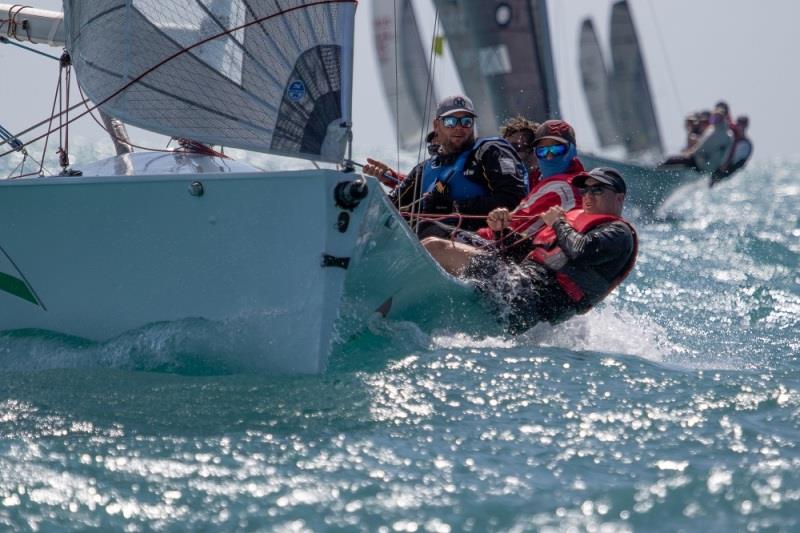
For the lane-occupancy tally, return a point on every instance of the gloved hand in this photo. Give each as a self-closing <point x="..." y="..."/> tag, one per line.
<point x="437" y="202"/>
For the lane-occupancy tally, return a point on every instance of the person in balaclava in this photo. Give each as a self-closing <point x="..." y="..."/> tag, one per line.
<point x="554" y="145"/>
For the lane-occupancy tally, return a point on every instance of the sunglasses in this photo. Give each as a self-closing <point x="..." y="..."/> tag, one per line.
<point x="594" y="190"/>
<point x="522" y="148"/>
<point x="557" y="150"/>
<point x="452" y="122"/>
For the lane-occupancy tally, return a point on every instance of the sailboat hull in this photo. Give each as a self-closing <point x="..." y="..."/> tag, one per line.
<point x="98" y="257"/>
<point x="264" y="271"/>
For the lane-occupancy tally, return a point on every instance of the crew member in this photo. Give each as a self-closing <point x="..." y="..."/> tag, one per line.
<point x="572" y="264"/>
<point x="520" y="132"/>
<point x="555" y="148"/>
<point x="467" y="176"/>
<point x="739" y="155"/>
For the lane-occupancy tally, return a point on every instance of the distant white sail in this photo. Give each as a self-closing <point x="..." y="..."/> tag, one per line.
<point x="633" y="107"/>
<point x="404" y="69"/>
<point x="461" y="42"/>
<point x="273" y="77"/>
<point x="596" y="85"/>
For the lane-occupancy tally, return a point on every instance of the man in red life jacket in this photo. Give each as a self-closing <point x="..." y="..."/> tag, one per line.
<point x="574" y="262"/>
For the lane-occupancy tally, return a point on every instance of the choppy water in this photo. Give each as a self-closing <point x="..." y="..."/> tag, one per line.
<point x="674" y="406"/>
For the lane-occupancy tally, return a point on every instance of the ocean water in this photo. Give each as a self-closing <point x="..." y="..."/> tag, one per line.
<point x="674" y="406"/>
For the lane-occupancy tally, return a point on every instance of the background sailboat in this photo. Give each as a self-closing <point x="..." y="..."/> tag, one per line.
<point x="404" y="70"/>
<point x="632" y="102"/>
<point x="622" y="110"/>
<point x="503" y="54"/>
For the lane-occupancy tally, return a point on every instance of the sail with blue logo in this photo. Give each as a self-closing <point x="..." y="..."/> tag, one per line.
<point x="274" y="77"/>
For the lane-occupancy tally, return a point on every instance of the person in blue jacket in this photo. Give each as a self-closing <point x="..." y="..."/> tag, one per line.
<point x="468" y="175"/>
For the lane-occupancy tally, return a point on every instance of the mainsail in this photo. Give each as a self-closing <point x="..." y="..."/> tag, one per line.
<point x="512" y="40"/>
<point x="460" y="40"/>
<point x="404" y="69"/>
<point x="266" y="76"/>
<point x="595" y="78"/>
<point x="633" y="104"/>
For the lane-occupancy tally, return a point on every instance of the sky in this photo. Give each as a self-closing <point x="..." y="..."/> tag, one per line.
<point x="696" y="51"/>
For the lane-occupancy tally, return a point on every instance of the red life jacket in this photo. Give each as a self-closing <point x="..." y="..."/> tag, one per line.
<point x="547" y="252"/>
<point x="553" y="190"/>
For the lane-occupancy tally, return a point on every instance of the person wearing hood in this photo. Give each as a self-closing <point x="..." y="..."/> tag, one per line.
<point x="556" y="151"/>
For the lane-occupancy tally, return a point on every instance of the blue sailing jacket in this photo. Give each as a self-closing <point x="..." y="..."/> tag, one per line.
<point x="452" y="176"/>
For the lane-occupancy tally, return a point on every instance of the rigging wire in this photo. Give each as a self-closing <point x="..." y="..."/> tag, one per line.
<point x="396" y="87"/>
<point x="671" y="73"/>
<point x="416" y="204"/>
<point x="5" y="40"/>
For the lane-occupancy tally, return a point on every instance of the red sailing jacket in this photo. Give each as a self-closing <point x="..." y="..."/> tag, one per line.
<point x="547" y="252"/>
<point x="555" y="190"/>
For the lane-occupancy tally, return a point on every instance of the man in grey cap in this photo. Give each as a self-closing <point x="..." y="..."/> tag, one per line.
<point x="468" y="176"/>
<point x="570" y="265"/>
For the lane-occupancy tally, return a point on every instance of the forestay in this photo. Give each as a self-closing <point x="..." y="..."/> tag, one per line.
<point x="273" y="77"/>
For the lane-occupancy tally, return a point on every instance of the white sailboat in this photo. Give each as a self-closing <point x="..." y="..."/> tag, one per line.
<point x="622" y="109"/>
<point x="285" y="264"/>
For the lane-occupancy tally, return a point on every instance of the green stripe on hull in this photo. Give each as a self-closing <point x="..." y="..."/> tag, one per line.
<point x="17" y="287"/>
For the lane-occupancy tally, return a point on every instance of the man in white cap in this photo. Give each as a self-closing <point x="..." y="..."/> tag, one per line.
<point x="468" y="176"/>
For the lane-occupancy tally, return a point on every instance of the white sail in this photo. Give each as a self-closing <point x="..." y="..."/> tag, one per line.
<point x="461" y="42"/>
<point x="636" y="116"/>
<point x="273" y="77"/>
<point x="596" y="85"/>
<point x="404" y="69"/>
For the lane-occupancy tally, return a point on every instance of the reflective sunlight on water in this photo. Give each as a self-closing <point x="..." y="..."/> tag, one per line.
<point x="673" y="406"/>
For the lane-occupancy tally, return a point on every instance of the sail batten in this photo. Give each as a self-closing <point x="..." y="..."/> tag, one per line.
<point x="265" y="76"/>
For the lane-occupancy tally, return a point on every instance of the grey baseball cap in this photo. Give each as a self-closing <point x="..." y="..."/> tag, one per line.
<point x="455" y="104"/>
<point x="606" y="175"/>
